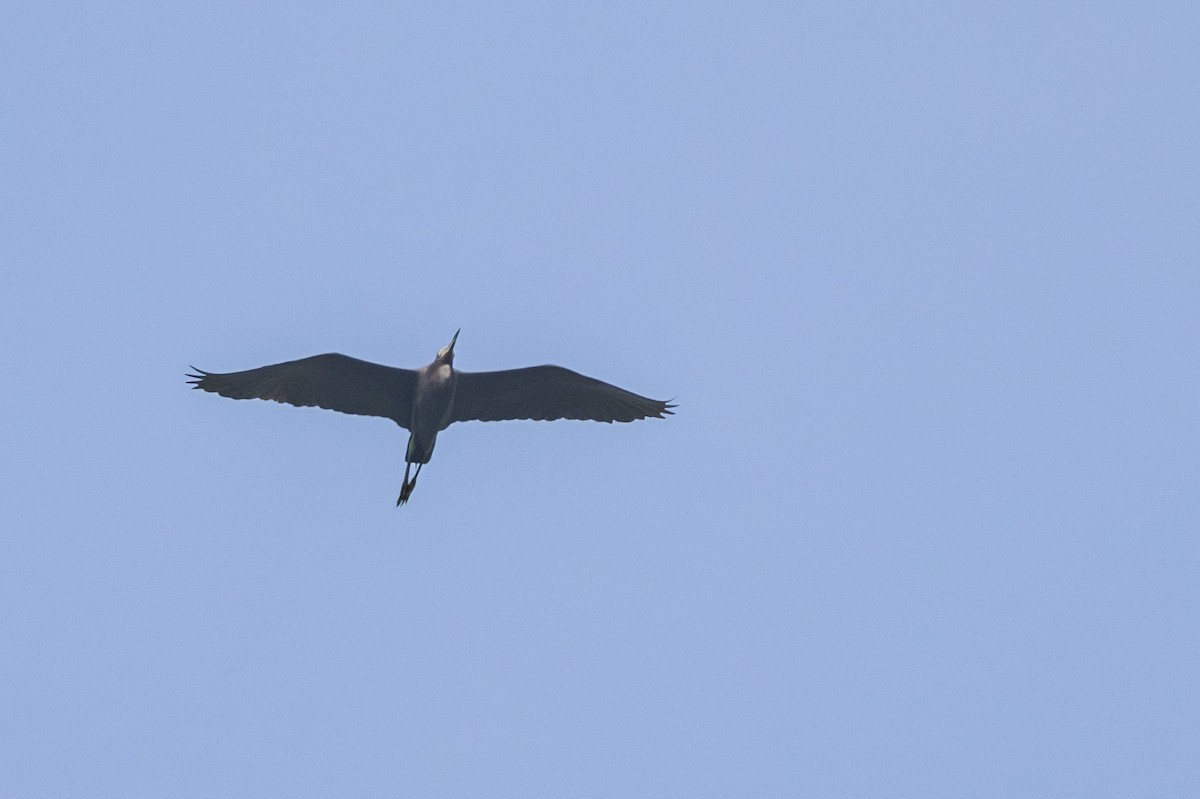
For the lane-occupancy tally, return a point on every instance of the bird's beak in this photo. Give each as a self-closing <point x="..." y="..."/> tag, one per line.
<point x="450" y="346"/>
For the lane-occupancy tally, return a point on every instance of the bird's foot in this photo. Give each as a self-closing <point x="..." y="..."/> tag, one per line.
<point x="405" y="491"/>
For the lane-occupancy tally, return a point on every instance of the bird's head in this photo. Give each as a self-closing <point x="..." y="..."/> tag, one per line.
<point x="446" y="353"/>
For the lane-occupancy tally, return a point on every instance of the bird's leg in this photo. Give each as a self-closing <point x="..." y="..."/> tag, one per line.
<point x="407" y="488"/>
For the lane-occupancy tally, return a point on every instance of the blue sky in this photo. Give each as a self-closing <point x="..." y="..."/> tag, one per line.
<point x="923" y="280"/>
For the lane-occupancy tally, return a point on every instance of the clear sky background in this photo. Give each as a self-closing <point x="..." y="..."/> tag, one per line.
<point x="923" y="278"/>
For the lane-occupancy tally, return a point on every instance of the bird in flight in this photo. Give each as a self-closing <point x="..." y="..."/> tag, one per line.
<point x="426" y="401"/>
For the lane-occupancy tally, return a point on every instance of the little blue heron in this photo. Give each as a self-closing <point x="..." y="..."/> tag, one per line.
<point x="426" y="401"/>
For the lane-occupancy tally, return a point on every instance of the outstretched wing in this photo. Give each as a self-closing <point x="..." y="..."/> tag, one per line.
<point x="547" y="392"/>
<point x="333" y="381"/>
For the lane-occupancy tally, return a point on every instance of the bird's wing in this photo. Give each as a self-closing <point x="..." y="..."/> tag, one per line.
<point x="547" y="392"/>
<point x="333" y="381"/>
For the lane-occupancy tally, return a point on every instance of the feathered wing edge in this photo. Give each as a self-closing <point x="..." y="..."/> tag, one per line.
<point x="547" y="393"/>
<point x="332" y="381"/>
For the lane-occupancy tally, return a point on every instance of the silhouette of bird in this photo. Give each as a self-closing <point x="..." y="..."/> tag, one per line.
<point x="426" y="401"/>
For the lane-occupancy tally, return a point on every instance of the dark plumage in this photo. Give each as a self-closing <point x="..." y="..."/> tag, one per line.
<point x="426" y="401"/>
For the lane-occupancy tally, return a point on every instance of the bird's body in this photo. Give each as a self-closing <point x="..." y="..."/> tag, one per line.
<point x="426" y="401"/>
<point x="432" y="403"/>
